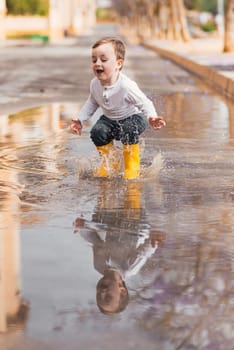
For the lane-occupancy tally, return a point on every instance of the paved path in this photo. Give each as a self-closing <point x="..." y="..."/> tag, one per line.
<point x="33" y="73"/>
<point x="185" y="290"/>
<point x="203" y="57"/>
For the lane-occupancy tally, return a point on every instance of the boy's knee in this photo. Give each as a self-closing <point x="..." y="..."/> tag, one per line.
<point x="99" y="135"/>
<point x="132" y="129"/>
<point x="130" y="139"/>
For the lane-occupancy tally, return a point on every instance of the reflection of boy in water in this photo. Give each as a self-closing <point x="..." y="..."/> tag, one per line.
<point x="112" y="293"/>
<point x="122" y="243"/>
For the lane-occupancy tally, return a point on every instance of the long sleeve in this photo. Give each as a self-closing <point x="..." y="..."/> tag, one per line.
<point x="136" y="97"/>
<point x="123" y="99"/>
<point x="88" y="109"/>
<point x="119" y="101"/>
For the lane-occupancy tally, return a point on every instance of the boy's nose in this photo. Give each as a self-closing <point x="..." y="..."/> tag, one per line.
<point x="98" y="62"/>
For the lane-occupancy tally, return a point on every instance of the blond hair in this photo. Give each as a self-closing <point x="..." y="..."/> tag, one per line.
<point x="117" y="44"/>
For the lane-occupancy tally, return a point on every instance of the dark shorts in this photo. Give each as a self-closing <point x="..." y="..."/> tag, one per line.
<point x="127" y="130"/>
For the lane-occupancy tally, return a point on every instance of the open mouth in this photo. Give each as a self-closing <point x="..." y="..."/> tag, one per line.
<point x="99" y="71"/>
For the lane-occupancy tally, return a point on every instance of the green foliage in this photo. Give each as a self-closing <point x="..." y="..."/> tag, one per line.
<point x="28" y="7"/>
<point x="104" y="14"/>
<point x="209" y="27"/>
<point x="101" y="13"/>
<point x="209" y="6"/>
<point x="202" y="5"/>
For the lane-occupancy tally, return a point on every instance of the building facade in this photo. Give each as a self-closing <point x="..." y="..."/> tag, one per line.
<point x="65" y="17"/>
<point x="71" y="17"/>
<point x="2" y="19"/>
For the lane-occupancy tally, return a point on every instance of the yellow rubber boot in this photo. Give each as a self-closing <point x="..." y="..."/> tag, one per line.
<point x="132" y="195"/>
<point x="109" y="162"/>
<point x="131" y="161"/>
<point x="132" y="202"/>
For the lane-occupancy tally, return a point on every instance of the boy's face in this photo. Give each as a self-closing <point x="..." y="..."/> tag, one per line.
<point x="108" y="293"/>
<point x="105" y="64"/>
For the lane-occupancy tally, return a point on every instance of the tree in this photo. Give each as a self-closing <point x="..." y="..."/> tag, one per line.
<point x="229" y="27"/>
<point x="178" y="20"/>
<point x="159" y="18"/>
<point x="201" y="5"/>
<point x="27" y="7"/>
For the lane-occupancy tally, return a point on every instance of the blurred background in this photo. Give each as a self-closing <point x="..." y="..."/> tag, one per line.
<point x="52" y="20"/>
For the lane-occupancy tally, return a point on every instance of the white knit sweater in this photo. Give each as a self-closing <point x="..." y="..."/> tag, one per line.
<point x="118" y="101"/>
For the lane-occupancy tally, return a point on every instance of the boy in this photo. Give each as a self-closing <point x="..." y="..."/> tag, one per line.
<point x="125" y="109"/>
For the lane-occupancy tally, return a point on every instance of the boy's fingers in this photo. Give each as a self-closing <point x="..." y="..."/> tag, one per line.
<point x="159" y="123"/>
<point x="76" y="126"/>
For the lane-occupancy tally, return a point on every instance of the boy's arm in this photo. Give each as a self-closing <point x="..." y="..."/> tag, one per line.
<point x="86" y="112"/>
<point x="146" y="106"/>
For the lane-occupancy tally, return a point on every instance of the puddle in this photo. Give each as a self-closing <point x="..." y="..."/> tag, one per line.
<point x="169" y="234"/>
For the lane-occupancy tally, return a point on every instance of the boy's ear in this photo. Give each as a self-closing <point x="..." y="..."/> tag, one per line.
<point x="120" y="63"/>
<point x="123" y="290"/>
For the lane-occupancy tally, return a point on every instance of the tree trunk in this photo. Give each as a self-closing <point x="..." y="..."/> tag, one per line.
<point x="175" y="20"/>
<point x="178" y="20"/>
<point x="150" y="17"/>
<point x="164" y="22"/>
<point x="229" y="27"/>
<point x="171" y="21"/>
<point x="183" y="21"/>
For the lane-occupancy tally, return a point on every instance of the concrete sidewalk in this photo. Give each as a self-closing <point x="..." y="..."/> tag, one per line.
<point x="204" y="58"/>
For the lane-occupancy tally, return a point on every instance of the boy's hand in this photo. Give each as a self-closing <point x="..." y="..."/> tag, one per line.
<point x="156" y="238"/>
<point x="78" y="223"/>
<point x="76" y="126"/>
<point x="156" y="122"/>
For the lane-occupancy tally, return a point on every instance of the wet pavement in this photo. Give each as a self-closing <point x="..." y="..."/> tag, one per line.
<point x="170" y="233"/>
<point x="203" y="57"/>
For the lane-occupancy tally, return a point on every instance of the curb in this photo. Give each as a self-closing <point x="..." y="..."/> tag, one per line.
<point x="221" y="83"/>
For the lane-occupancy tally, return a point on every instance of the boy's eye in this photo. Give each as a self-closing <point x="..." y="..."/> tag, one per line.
<point x="94" y="59"/>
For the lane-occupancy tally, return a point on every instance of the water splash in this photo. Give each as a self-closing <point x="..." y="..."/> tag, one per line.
<point x="87" y="167"/>
<point x="153" y="170"/>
